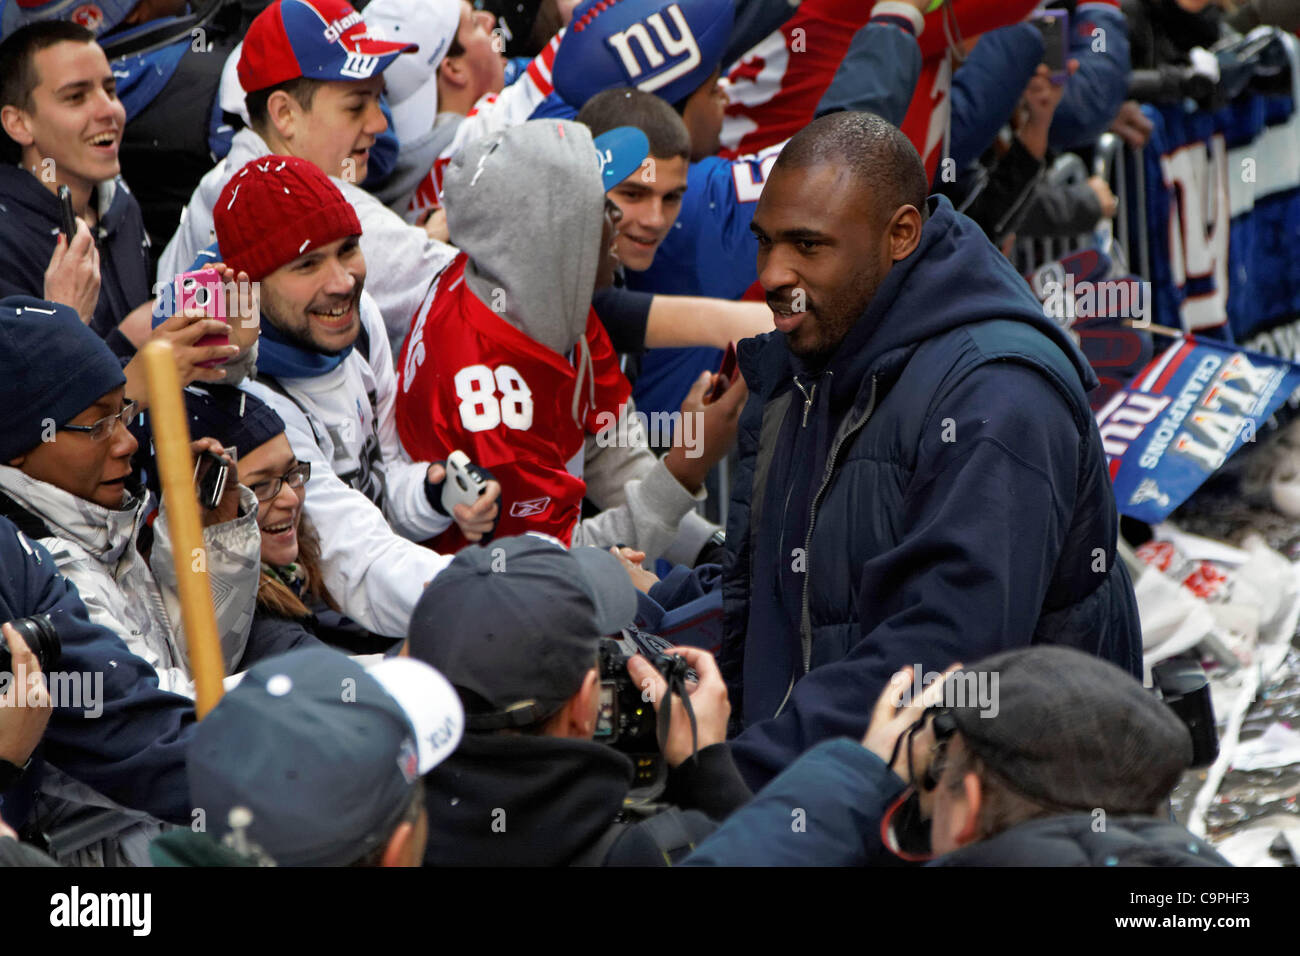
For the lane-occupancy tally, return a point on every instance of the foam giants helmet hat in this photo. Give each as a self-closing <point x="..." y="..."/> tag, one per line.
<point x="97" y="16"/>
<point x="316" y="39"/>
<point x="665" y="47"/>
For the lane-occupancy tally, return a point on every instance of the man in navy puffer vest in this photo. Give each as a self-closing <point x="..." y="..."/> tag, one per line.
<point x="920" y="480"/>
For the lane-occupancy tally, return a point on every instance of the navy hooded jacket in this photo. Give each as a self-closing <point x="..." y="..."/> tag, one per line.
<point x="841" y="791"/>
<point x="30" y="218"/>
<point x="134" y="750"/>
<point x="937" y="494"/>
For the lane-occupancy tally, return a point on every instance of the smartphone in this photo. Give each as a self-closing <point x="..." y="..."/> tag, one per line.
<point x="463" y="485"/>
<point x="69" y="217"/>
<point x="202" y="289"/>
<point x="1054" y="25"/>
<point x="211" y="472"/>
<point x="725" y="375"/>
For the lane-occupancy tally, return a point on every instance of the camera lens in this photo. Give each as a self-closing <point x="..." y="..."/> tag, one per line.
<point x="42" y="638"/>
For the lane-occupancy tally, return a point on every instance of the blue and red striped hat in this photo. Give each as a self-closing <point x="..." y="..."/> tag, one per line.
<point x="316" y="39"/>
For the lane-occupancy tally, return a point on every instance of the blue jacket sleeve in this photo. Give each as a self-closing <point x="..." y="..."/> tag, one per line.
<point x="125" y="737"/>
<point x="878" y="73"/>
<point x="1099" y="41"/>
<point x="984" y="521"/>
<point x="753" y="20"/>
<point x="824" y="810"/>
<point x="987" y="87"/>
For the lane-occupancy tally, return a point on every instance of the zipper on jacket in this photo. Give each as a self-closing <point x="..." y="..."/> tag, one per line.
<point x="805" y="636"/>
<point x="807" y="399"/>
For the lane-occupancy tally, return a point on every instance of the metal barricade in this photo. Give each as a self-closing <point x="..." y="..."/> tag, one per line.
<point x="1111" y="161"/>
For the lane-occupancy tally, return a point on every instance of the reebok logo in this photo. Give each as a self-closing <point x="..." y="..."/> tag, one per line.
<point x="526" y="509"/>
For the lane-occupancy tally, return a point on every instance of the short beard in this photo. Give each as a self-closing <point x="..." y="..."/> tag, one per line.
<point x="303" y="340"/>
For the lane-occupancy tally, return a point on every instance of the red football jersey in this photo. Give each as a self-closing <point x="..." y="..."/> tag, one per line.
<point x="468" y="380"/>
<point x="776" y="86"/>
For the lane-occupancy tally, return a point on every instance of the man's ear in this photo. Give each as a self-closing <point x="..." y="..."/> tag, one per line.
<point x="577" y="718"/>
<point x="282" y="110"/>
<point x="970" y="829"/>
<point x="904" y="233"/>
<point x="452" y="72"/>
<point x="398" y="850"/>
<point x="18" y="461"/>
<point x="17" y="125"/>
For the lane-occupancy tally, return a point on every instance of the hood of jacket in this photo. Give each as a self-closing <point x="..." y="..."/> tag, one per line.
<point x="105" y="533"/>
<point x="1073" y="840"/>
<point x="954" y="278"/>
<point x="557" y="796"/>
<point x="540" y="179"/>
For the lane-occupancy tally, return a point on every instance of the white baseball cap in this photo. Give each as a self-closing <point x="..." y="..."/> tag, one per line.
<point x="412" y="81"/>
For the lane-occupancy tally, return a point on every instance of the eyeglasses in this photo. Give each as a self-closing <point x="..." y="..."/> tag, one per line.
<point x="295" y="478"/>
<point x="105" y="426"/>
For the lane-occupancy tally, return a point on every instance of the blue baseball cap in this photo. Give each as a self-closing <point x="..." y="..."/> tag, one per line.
<point x="316" y="39"/>
<point x="619" y="153"/>
<point x="312" y="759"/>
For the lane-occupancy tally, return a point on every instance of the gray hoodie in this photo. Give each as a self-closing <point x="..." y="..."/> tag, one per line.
<point x="527" y="204"/>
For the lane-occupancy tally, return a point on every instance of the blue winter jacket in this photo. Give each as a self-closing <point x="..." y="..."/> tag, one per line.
<point x="938" y="493"/>
<point x="134" y="751"/>
<point x="826" y="810"/>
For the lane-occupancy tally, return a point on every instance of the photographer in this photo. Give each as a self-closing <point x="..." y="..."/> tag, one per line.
<point x="516" y="627"/>
<point x="1042" y="756"/>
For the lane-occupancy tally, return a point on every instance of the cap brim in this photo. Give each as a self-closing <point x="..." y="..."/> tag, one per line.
<point x="430" y="703"/>
<point x="613" y="590"/>
<point x="620" y="152"/>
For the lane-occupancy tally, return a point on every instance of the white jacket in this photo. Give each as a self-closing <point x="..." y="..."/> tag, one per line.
<point x="402" y="259"/>
<point x="95" y="548"/>
<point x="373" y="572"/>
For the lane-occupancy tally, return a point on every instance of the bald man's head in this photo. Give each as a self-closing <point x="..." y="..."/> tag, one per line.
<point x="844" y="201"/>
<point x="883" y="161"/>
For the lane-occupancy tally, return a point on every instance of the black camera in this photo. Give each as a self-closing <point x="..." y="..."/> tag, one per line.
<point x="1182" y="684"/>
<point x="41" y="636"/>
<point x="627" y="720"/>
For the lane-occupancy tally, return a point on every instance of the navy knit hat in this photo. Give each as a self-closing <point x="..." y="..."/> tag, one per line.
<point x="232" y="416"/>
<point x="52" y="368"/>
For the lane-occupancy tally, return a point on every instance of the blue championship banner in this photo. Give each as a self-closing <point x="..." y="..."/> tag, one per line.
<point x="1182" y="417"/>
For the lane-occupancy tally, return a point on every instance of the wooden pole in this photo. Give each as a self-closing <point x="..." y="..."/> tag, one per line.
<point x="171" y="439"/>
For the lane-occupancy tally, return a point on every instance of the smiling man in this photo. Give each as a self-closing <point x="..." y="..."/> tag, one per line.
<point x="312" y="73"/>
<point x="63" y="126"/>
<point x="324" y="365"/>
<point x="921" y="480"/>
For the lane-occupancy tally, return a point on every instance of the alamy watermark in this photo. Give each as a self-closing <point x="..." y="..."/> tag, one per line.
<point x="964" y="689"/>
<point x="624" y="429"/>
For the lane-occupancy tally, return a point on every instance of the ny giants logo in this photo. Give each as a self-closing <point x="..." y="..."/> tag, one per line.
<point x="672" y="47"/>
<point x="359" y="66"/>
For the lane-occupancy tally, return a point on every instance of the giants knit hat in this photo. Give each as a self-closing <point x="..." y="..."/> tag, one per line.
<point x="52" y="368"/>
<point x="275" y="209"/>
<point x="316" y="39"/>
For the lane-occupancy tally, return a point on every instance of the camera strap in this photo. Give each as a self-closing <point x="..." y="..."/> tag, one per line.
<point x="676" y="677"/>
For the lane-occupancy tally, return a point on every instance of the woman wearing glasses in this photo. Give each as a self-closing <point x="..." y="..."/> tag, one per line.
<point x="65" y="481"/>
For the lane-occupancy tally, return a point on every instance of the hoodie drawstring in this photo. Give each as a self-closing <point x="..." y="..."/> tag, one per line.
<point x="585" y="373"/>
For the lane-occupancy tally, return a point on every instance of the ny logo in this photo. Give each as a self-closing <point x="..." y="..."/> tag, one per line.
<point x="683" y="44"/>
<point x="359" y="66"/>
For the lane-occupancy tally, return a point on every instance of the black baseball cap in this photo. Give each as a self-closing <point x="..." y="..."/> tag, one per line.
<point x="1070" y="730"/>
<point x="312" y="759"/>
<point x="518" y="623"/>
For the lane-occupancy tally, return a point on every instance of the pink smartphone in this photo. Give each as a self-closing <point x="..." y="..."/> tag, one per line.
<point x="202" y="289"/>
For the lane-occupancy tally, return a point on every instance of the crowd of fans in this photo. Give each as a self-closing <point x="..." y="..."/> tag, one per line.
<point x="427" y="252"/>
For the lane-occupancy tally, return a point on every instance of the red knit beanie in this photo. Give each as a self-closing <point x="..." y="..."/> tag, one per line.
<point x="274" y="210"/>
